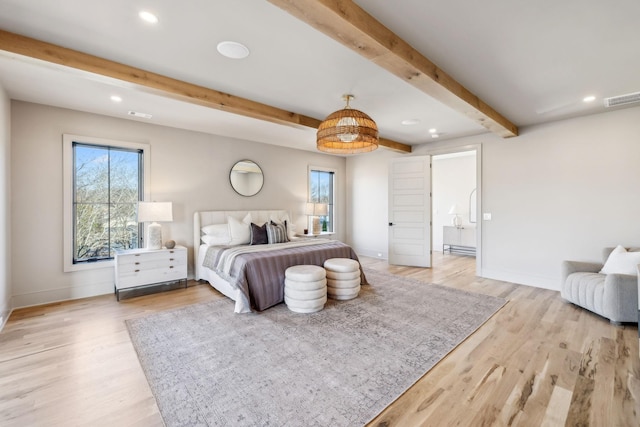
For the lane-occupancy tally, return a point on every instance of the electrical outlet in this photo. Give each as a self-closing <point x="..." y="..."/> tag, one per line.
<point x="379" y="254"/>
<point x="486" y="216"/>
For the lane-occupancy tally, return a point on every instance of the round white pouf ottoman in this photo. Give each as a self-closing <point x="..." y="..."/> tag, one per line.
<point x="305" y="288"/>
<point x="343" y="278"/>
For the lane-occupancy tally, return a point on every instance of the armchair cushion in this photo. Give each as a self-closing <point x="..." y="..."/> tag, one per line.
<point x="586" y="290"/>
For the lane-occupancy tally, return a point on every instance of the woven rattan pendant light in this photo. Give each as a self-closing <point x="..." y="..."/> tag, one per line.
<point x="347" y="131"/>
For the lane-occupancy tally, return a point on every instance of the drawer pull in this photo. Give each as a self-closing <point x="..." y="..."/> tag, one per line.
<point x="136" y="255"/>
<point x="136" y="271"/>
<point x="137" y="263"/>
<point x="171" y="259"/>
<point x="171" y="266"/>
<point x="170" y="252"/>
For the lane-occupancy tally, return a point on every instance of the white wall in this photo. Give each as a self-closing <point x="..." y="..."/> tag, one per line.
<point x="189" y="169"/>
<point x="561" y="190"/>
<point x="367" y="202"/>
<point x="452" y="180"/>
<point x="5" y="206"/>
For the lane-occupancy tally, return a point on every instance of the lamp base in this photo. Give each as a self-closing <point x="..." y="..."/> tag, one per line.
<point x="316" y="225"/>
<point x="456" y="221"/>
<point x="154" y="241"/>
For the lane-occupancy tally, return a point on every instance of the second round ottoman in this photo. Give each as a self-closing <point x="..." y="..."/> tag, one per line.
<point x="343" y="278"/>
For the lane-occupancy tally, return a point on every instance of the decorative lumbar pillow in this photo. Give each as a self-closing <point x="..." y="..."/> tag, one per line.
<point x="276" y="233"/>
<point x="240" y="231"/>
<point x="258" y="234"/>
<point x="621" y="262"/>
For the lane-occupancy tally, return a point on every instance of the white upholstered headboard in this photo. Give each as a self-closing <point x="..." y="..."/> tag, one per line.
<point x="204" y="218"/>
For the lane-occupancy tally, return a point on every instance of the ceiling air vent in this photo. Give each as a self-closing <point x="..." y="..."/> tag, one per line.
<point x="614" y="101"/>
<point x="139" y="114"/>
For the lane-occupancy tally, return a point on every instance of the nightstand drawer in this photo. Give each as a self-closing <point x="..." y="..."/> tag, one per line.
<point x="130" y="257"/>
<point x="142" y="267"/>
<point x="131" y="264"/>
<point x="146" y="277"/>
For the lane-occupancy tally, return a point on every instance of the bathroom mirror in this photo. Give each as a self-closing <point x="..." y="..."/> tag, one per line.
<point x="246" y="178"/>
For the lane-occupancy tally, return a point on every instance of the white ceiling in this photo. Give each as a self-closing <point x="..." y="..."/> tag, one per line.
<point x="532" y="61"/>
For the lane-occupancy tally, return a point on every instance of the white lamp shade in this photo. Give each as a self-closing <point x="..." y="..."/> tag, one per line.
<point x="321" y="209"/>
<point x="454" y="210"/>
<point x="316" y="209"/>
<point x="155" y="212"/>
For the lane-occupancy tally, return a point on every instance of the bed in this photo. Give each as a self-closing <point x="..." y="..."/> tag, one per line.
<point x="253" y="275"/>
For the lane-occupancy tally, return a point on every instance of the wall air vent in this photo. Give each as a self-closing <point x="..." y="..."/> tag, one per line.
<point x="629" y="98"/>
<point x="138" y="114"/>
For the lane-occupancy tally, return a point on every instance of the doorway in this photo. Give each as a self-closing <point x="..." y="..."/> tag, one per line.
<point x="426" y="220"/>
<point x="455" y="186"/>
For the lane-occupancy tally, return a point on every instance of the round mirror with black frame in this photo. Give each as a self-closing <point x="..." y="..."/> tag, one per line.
<point x="246" y="178"/>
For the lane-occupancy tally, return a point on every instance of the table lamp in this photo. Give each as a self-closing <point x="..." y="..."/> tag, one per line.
<point x="456" y="221"/>
<point x="316" y="210"/>
<point x="155" y="212"/>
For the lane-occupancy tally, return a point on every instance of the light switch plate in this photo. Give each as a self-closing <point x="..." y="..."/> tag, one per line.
<point x="486" y="216"/>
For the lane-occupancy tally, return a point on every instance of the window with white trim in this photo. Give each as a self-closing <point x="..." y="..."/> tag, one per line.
<point x="104" y="180"/>
<point x="322" y="190"/>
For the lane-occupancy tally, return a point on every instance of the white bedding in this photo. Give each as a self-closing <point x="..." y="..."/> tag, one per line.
<point x="217" y="282"/>
<point x="207" y="218"/>
<point x="218" y="277"/>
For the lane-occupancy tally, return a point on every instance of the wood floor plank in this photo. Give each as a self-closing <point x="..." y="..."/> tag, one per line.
<point x="539" y="361"/>
<point x="558" y="408"/>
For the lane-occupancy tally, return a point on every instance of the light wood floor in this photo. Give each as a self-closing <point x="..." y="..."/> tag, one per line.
<point x="537" y="362"/>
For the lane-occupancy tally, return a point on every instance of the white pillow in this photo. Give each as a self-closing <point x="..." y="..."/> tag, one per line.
<point x="240" y="230"/>
<point x="621" y="262"/>
<point x="212" y="240"/>
<point x="216" y="229"/>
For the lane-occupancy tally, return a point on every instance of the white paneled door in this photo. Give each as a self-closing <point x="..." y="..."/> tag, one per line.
<point x="410" y="211"/>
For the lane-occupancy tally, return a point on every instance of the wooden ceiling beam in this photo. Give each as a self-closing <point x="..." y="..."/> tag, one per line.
<point x="352" y="26"/>
<point x="161" y="85"/>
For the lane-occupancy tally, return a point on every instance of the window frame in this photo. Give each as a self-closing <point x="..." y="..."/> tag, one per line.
<point x="68" y="191"/>
<point x="332" y="205"/>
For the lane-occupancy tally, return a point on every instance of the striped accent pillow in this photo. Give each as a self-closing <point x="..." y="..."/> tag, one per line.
<point x="277" y="233"/>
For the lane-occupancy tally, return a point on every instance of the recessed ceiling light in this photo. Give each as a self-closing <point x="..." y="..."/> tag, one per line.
<point x="233" y="50"/>
<point x="409" y="122"/>
<point x="116" y="98"/>
<point x="589" y="98"/>
<point x="432" y="130"/>
<point x="148" y="17"/>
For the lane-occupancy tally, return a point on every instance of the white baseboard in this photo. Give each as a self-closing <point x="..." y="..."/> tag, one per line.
<point x="61" y="294"/>
<point x="64" y="294"/>
<point x="371" y="253"/>
<point x="522" y="279"/>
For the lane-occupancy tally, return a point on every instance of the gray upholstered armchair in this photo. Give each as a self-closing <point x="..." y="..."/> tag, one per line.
<point x="614" y="296"/>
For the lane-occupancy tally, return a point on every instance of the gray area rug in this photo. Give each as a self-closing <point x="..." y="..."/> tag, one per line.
<point x="339" y="367"/>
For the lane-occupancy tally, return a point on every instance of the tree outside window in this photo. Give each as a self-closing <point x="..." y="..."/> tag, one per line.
<point x="321" y="190"/>
<point x="107" y="185"/>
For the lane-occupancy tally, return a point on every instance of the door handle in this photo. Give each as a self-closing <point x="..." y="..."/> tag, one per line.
<point x="390" y="224"/>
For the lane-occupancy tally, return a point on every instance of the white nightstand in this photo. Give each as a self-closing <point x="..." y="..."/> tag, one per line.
<point x="144" y="267"/>
<point x="325" y="235"/>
